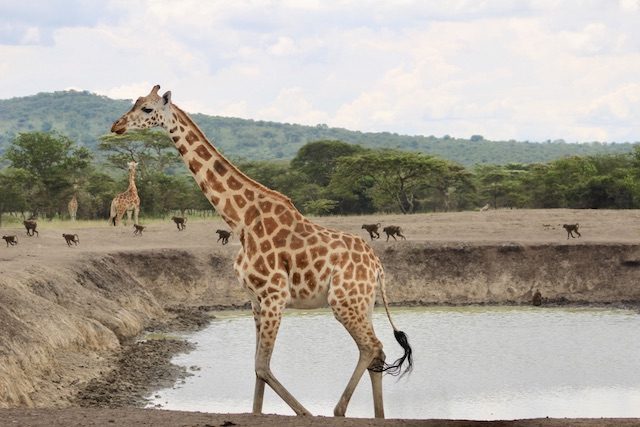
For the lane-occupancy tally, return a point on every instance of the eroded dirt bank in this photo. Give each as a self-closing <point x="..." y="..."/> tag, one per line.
<point x="60" y="323"/>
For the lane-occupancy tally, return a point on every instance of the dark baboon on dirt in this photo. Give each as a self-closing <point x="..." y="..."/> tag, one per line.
<point x="71" y="238"/>
<point x="31" y="225"/>
<point x="11" y="240"/>
<point x="224" y="236"/>
<point x="181" y="222"/>
<point x="138" y="229"/>
<point x="393" y="231"/>
<point x="570" y="229"/>
<point x="372" y="229"/>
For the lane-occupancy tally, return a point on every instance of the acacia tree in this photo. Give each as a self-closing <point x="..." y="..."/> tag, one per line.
<point x="53" y="162"/>
<point x="396" y="178"/>
<point x="501" y="184"/>
<point x="153" y="149"/>
<point x="14" y="190"/>
<point x="317" y="160"/>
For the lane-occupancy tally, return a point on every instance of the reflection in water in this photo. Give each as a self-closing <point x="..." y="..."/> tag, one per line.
<point x="470" y="362"/>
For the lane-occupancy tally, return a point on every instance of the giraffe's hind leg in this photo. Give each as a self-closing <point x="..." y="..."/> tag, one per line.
<point x="258" y="394"/>
<point x="356" y="318"/>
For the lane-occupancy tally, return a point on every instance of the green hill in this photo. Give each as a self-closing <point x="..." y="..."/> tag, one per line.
<point x="84" y="117"/>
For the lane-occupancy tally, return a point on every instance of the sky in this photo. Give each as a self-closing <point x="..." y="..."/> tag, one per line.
<point x="532" y="70"/>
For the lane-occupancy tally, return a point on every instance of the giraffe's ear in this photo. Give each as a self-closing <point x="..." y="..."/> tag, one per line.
<point x="166" y="98"/>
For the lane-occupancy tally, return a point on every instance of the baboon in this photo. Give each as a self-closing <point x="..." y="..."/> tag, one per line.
<point x="393" y="231"/>
<point x="570" y="229"/>
<point x="71" y="238"/>
<point x="11" y="240"/>
<point x="181" y="222"/>
<point x="372" y="229"/>
<point x="138" y="229"/>
<point x="224" y="236"/>
<point x="537" y="299"/>
<point x="31" y="225"/>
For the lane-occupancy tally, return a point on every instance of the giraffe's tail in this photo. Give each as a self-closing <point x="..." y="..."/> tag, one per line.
<point x="395" y="368"/>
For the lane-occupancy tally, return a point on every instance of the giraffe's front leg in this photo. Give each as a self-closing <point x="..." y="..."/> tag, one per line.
<point x="271" y="308"/>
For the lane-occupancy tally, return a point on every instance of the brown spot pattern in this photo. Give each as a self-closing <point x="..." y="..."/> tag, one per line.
<point x="296" y="242"/>
<point x="214" y="183"/>
<point x="271" y="259"/>
<point x="191" y="137"/>
<point x="256" y="281"/>
<point x="233" y="183"/>
<point x="230" y="211"/>
<point x="261" y="267"/>
<point x="194" y="166"/>
<point x="265" y="206"/>
<point x="258" y="229"/>
<point x="219" y="167"/>
<point x="240" y="201"/>
<point x="265" y="246"/>
<point x="203" y="152"/>
<point x="250" y="215"/>
<point x="310" y="280"/>
<point x="270" y="225"/>
<point x="286" y="219"/>
<point x="280" y="238"/>
<point x="302" y="261"/>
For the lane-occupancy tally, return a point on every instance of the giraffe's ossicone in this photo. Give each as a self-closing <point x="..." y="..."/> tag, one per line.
<point x="285" y="260"/>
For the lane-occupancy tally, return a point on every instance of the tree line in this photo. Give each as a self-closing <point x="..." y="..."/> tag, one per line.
<point x="84" y="117"/>
<point x="43" y="170"/>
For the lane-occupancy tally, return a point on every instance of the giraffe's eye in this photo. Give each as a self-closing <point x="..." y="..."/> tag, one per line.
<point x="147" y="110"/>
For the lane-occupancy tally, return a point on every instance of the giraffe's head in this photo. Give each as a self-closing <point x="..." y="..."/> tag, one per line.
<point x="132" y="165"/>
<point x="148" y="111"/>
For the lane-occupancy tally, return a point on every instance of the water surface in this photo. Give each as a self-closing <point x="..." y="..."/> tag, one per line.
<point x="470" y="362"/>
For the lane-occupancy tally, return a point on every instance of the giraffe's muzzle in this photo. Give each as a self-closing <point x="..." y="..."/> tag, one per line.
<point x="119" y="126"/>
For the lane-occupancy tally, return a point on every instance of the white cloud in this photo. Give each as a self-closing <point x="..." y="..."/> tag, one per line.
<point x="531" y="69"/>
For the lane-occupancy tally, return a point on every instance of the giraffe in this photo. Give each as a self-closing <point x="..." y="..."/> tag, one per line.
<point x="73" y="205"/>
<point x="127" y="201"/>
<point x="285" y="260"/>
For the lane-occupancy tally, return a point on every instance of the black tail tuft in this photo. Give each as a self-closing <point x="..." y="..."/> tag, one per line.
<point x="114" y="221"/>
<point x="395" y="368"/>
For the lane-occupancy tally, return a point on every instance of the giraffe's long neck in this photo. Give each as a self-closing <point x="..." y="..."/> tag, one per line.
<point x="132" y="189"/>
<point x="237" y="198"/>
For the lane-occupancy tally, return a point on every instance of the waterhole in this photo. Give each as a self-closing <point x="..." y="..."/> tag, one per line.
<point x="469" y="363"/>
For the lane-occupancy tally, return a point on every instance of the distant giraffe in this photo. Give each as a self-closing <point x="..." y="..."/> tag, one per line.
<point x="284" y="258"/>
<point x="73" y="207"/>
<point x="127" y="201"/>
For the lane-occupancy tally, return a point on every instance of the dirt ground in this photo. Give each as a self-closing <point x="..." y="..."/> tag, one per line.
<point x="139" y="367"/>
<point x="522" y="226"/>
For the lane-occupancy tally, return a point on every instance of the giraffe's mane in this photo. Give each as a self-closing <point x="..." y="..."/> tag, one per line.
<point x="273" y="193"/>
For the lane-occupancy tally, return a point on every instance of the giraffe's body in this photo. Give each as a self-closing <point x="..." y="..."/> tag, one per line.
<point x="285" y="260"/>
<point x="127" y="201"/>
<point x="73" y="207"/>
